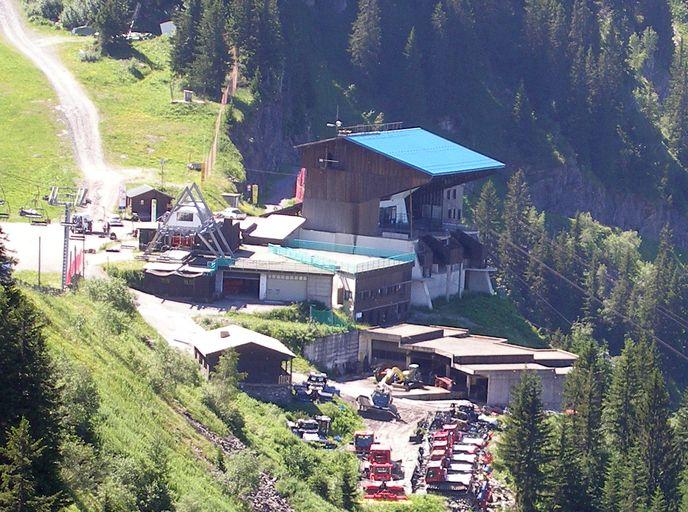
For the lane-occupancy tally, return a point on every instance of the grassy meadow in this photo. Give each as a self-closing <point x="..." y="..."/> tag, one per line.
<point x="140" y="402"/>
<point x="141" y="125"/>
<point x="33" y="148"/>
<point x="490" y="315"/>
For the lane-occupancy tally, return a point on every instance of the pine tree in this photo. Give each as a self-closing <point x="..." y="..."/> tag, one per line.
<point x="413" y="90"/>
<point x="111" y="20"/>
<point x="524" y="443"/>
<point x="513" y="242"/>
<point x="676" y="108"/>
<point x="27" y="380"/>
<point x="365" y="42"/>
<point x="212" y="58"/>
<point x="620" y="411"/>
<point x="655" y="438"/>
<point x="584" y="393"/>
<point x="19" y="491"/>
<point x="185" y="39"/>
<point x="487" y="216"/>
<point x="658" y="503"/>
<point x="566" y="488"/>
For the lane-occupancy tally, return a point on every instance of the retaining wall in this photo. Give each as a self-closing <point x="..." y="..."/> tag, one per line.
<point x="334" y="352"/>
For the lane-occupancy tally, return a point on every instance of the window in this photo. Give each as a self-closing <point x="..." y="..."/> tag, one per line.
<point x="185" y="216"/>
<point x="458" y="214"/>
<point x="454" y="194"/>
<point x="448" y="194"/>
<point x="142" y="202"/>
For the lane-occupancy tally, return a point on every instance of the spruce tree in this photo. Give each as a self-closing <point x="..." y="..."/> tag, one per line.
<point x="487" y="217"/>
<point x="413" y="90"/>
<point x="524" y="443"/>
<point x="567" y="491"/>
<point x="514" y="240"/>
<point x="655" y="439"/>
<point x="19" y="491"/>
<point x="111" y="20"/>
<point x="620" y="407"/>
<point x="212" y="58"/>
<point x="185" y="39"/>
<point x="27" y="380"/>
<point x="584" y="393"/>
<point x="365" y="42"/>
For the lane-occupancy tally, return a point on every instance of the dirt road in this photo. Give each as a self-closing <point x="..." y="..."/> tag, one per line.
<point x="78" y="110"/>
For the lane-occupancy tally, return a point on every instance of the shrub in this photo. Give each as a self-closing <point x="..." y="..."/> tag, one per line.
<point x="243" y="474"/>
<point x="113" y="292"/>
<point x="78" y="12"/>
<point x="89" y="55"/>
<point x="132" y="276"/>
<point x="80" y="400"/>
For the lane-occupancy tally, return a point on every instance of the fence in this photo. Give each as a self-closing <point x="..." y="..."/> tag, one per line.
<point x="326" y="316"/>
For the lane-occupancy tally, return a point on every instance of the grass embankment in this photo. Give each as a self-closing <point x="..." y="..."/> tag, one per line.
<point x="141" y="392"/>
<point x="141" y="126"/>
<point x="483" y="314"/>
<point x="32" y="150"/>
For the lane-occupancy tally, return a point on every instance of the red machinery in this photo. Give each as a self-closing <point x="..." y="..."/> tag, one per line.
<point x="383" y="474"/>
<point x="438" y="478"/>
<point x="384" y="491"/>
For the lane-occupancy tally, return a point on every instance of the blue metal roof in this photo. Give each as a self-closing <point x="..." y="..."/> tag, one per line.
<point x="425" y="151"/>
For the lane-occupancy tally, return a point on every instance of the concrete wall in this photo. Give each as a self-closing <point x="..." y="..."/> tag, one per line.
<point x="501" y="383"/>
<point x="478" y="280"/>
<point x="333" y="351"/>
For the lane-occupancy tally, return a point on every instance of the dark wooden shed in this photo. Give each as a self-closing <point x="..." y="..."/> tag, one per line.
<point x="263" y="360"/>
<point x="140" y="200"/>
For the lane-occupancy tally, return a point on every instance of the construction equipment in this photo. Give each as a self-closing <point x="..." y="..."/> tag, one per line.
<point x="408" y="378"/>
<point x="380" y="400"/>
<point x="384" y="491"/>
<point x="362" y="443"/>
<point x="438" y="478"/>
<point x="314" y="388"/>
<point x="313" y="431"/>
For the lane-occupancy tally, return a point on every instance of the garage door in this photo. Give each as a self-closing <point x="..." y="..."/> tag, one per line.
<point x="286" y="288"/>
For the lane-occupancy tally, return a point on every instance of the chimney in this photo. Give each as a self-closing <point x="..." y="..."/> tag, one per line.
<point x="224" y="334"/>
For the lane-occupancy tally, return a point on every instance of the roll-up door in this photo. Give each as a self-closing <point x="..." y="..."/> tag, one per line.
<point x="287" y="288"/>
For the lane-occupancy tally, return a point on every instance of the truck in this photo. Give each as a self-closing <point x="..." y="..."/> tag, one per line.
<point x="380" y="400"/>
<point x="439" y="479"/>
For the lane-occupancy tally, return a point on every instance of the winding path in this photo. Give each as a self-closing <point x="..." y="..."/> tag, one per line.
<point x="79" y="111"/>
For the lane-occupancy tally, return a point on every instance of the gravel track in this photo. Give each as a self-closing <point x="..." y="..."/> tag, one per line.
<point x="79" y="112"/>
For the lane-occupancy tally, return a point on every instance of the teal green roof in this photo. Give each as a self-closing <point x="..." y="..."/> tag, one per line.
<point x="425" y="151"/>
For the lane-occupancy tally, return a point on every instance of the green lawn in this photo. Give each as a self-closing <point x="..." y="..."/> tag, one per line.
<point x="141" y="126"/>
<point x="32" y="151"/>
<point x="483" y="314"/>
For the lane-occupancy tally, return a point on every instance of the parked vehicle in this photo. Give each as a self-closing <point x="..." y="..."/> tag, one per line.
<point x="232" y="213"/>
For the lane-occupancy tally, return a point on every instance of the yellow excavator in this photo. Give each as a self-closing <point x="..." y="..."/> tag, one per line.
<point x="408" y="378"/>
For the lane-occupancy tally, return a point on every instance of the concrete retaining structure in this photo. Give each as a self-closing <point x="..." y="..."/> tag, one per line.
<point x="333" y="352"/>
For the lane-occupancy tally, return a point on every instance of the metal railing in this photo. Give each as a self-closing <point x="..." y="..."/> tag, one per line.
<point x="322" y="261"/>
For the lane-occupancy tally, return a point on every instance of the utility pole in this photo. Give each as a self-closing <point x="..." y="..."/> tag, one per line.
<point x="39" y="261"/>
<point x="162" y="174"/>
<point x="69" y="198"/>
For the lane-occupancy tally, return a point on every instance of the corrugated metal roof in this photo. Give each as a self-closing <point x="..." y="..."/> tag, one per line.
<point x="142" y="189"/>
<point x="425" y="151"/>
<point x="232" y="336"/>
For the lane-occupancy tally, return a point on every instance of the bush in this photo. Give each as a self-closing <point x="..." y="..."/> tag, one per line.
<point x="172" y="368"/>
<point x="78" y="12"/>
<point x="80" y="400"/>
<point x="243" y="475"/>
<point x="89" y="55"/>
<point x="132" y="276"/>
<point x="113" y="292"/>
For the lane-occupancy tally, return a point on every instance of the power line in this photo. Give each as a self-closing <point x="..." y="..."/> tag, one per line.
<point x="661" y="309"/>
<point x="592" y="296"/>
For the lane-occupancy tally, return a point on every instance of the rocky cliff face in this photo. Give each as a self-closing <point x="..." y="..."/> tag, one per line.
<point x="567" y="190"/>
<point x="265" y="146"/>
